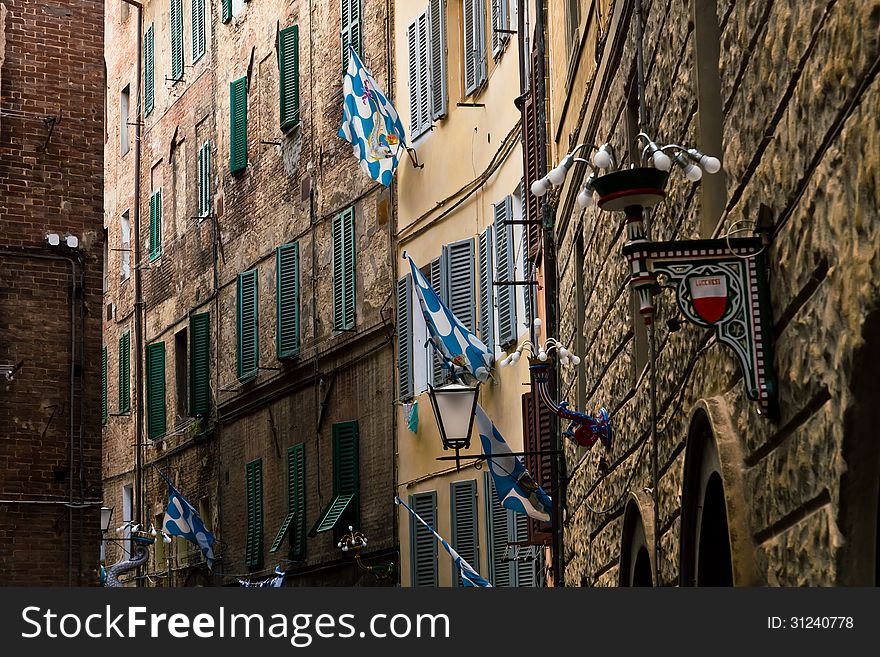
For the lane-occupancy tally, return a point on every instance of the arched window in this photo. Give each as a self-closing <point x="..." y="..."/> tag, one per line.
<point x="636" y="545"/>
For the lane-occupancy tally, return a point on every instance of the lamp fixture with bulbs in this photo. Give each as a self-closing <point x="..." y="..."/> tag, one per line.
<point x="355" y="541"/>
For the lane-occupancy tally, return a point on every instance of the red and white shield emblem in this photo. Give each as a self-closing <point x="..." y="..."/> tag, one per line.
<point x="709" y="294"/>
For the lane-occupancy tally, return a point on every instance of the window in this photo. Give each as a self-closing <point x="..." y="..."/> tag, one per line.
<point x="199" y="364"/>
<point x="351" y="32"/>
<point x="344" y="506"/>
<point x="487" y="290"/>
<point x="181" y="378"/>
<point x="176" y="39"/>
<point x="437" y="58"/>
<point x="127" y="517"/>
<point x="238" y="125"/>
<point x="474" y="39"/>
<point x="248" y="325"/>
<point x="155" y="224"/>
<point x="505" y="260"/>
<point x="125" y="372"/>
<point x="344" y="266"/>
<point x="459" y="271"/>
<point x="422" y="543"/>
<point x="155" y="390"/>
<point x="572" y="23"/>
<point x="635" y="559"/>
<point x="149" y="71"/>
<point x="124" y="100"/>
<point x="123" y="11"/>
<point x="464" y="524"/>
<point x="506" y="529"/>
<point x="419" y="76"/>
<point x="125" y="254"/>
<point x="104" y="385"/>
<point x="198" y="29"/>
<point x="105" y="282"/>
<point x="500" y="23"/>
<point x="254" y="493"/>
<point x="435" y="274"/>
<point x="288" y="65"/>
<point x="538" y="439"/>
<point x="295" y="522"/>
<point x="404" y="338"/>
<point x="204" y="180"/>
<point x="159" y="546"/>
<point x="287" y="300"/>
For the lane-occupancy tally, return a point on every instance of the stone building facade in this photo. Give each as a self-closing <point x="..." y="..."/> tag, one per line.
<point x="786" y="95"/>
<point x="272" y="292"/>
<point x="50" y="291"/>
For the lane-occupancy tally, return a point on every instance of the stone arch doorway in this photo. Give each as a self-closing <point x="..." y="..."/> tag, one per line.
<point x="717" y="548"/>
<point x="637" y="542"/>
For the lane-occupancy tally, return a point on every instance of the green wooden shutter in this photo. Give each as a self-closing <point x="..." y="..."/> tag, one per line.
<point x="198" y="29"/>
<point x="248" y="325"/>
<point x="460" y="281"/>
<point x="287" y="300"/>
<point x="177" y="39"/>
<point x="225" y="11"/>
<point x="254" y="539"/>
<point x="501" y="572"/>
<point x="487" y="290"/>
<point x="422" y="543"/>
<point x="204" y="179"/>
<point x="504" y="266"/>
<point x="104" y="385"/>
<point x="125" y="372"/>
<point x="464" y="524"/>
<point x="156" y="390"/>
<point x="199" y="364"/>
<point x="149" y="71"/>
<point x="155" y="224"/>
<point x="351" y="29"/>
<point x="238" y="125"/>
<point x="296" y="499"/>
<point x="288" y="63"/>
<point x="344" y="264"/>
<point x="346" y="478"/>
<point x="405" y="385"/>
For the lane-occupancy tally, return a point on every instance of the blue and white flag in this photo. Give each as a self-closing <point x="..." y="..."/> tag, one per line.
<point x="274" y="582"/>
<point x="453" y="341"/>
<point x="370" y="123"/>
<point x="469" y="576"/>
<point x="514" y="485"/>
<point x="181" y="519"/>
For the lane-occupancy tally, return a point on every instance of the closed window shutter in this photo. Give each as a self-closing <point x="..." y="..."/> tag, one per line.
<point x="504" y="267"/>
<point x="104" y="385"/>
<point x="351" y="29"/>
<point x="460" y="281"/>
<point x="419" y="76"/>
<point x="248" y="325"/>
<point x="422" y="543"/>
<point x="437" y="48"/>
<point x="238" y="125"/>
<point x="526" y="570"/>
<point x="254" y="492"/>
<point x="125" y="372"/>
<point x="149" y="71"/>
<point x="487" y="292"/>
<point x="344" y="271"/>
<point x="205" y="179"/>
<point x="464" y="524"/>
<point x="531" y="169"/>
<point x="155" y="224"/>
<point x="500" y="21"/>
<point x="287" y="300"/>
<point x="176" y="39"/>
<point x="296" y="499"/>
<point x="225" y="11"/>
<point x="539" y="460"/>
<point x="527" y="290"/>
<point x="439" y="286"/>
<point x="497" y="533"/>
<point x="404" y="338"/>
<point x="288" y="63"/>
<point x="474" y="45"/>
<point x="346" y="470"/>
<point x="155" y="390"/>
<point x="199" y="364"/>
<point x="198" y="29"/>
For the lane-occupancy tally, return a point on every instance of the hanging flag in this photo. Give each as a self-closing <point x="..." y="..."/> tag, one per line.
<point x="469" y="576"/>
<point x="514" y="485"/>
<point x="411" y="413"/>
<point x="452" y="340"/>
<point x="181" y="519"/>
<point x="370" y="123"/>
<point x="274" y="582"/>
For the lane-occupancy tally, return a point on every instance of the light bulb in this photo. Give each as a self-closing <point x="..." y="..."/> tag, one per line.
<point x="693" y="173"/>
<point x="557" y="175"/>
<point x="709" y="163"/>
<point x="563" y="361"/>
<point x="515" y="357"/>
<point x="585" y="197"/>
<point x="504" y="362"/>
<point x="542" y="356"/>
<point x="540" y="187"/>
<point x="575" y="360"/>
<point x="661" y="160"/>
<point x="537" y="323"/>
<point x="563" y="352"/>
<point x="602" y="158"/>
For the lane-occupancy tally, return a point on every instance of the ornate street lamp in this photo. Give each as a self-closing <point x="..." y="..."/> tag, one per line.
<point x="454" y="407"/>
<point x="106" y="518"/>
<point x="355" y="541"/>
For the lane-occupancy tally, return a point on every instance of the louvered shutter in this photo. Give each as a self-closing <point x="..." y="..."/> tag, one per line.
<point x="155" y="224"/>
<point x="437" y="58"/>
<point x="204" y="180"/>
<point x="176" y="39"/>
<point x="288" y="63"/>
<point x="422" y="543"/>
<point x="296" y="499"/>
<point x="419" y="75"/>
<point x="287" y="300"/>
<point x="344" y="271"/>
<point x="346" y="469"/>
<point x="404" y="338"/>
<point x="104" y="385"/>
<point x="497" y="536"/>
<point x="351" y="29"/>
<point x="531" y="170"/>
<point x="464" y="524"/>
<point x="155" y="390"/>
<point x="500" y="21"/>
<point x="199" y="364"/>
<point x="238" y="125"/>
<point x="504" y="268"/>
<point x="539" y="461"/>
<point x="439" y="286"/>
<point x="225" y="11"/>
<point x="125" y="372"/>
<point x="198" y="29"/>
<point x="254" y="493"/>
<point x="526" y="570"/>
<point x="527" y="290"/>
<point x="487" y="292"/>
<point x="460" y="282"/>
<point x="149" y="71"/>
<point x="474" y="45"/>
<point x="248" y="325"/>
